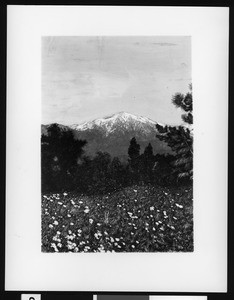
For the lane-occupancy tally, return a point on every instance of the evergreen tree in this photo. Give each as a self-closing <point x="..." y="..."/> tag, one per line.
<point x="134" y="159"/>
<point x="148" y="152"/>
<point x="180" y="138"/>
<point x="60" y="152"/>
<point x="148" y="163"/>
<point x="134" y="149"/>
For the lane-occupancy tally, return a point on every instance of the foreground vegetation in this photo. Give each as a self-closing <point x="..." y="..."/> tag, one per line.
<point x="140" y="218"/>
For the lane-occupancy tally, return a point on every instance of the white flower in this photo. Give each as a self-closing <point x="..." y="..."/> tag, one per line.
<point x="58" y="232"/>
<point x="71" y="224"/>
<point x="91" y="221"/>
<point x="69" y="216"/>
<point x="151" y="208"/>
<point x="86" y="210"/>
<point x="80" y="202"/>
<point x="55" y="222"/>
<point x="180" y="206"/>
<point x="51" y="226"/>
<point x="60" y="203"/>
<point x="64" y="194"/>
<point x="59" y="245"/>
<point x="79" y="230"/>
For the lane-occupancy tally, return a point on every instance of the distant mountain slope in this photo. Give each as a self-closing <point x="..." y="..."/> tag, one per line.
<point x="112" y="134"/>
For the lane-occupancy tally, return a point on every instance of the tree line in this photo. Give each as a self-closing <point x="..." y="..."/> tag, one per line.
<point x="65" y="166"/>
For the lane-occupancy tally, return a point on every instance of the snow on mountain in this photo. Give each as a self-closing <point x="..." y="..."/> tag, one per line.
<point x="114" y="122"/>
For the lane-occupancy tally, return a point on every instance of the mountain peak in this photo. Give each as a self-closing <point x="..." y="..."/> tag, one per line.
<point x="119" y="121"/>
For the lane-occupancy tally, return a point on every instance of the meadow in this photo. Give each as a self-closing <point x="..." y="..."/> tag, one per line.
<point x="139" y="218"/>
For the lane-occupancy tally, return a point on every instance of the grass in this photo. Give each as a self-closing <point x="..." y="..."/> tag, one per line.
<point x="137" y="219"/>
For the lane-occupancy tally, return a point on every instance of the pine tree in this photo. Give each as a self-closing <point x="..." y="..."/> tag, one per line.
<point x="60" y="152"/>
<point x="148" y="152"/>
<point x="180" y="138"/>
<point x="134" y="149"/>
<point x="148" y="163"/>
<point x="134" y="159"/>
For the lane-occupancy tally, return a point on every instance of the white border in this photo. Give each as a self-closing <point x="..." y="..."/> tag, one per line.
<point x="26" y="267"/>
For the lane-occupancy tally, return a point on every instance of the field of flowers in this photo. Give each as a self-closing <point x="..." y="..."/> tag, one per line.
<point x="137" y="219"/>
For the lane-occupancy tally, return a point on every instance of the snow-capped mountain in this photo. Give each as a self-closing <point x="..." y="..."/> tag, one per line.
<point x="113" y="133"/>
<point x="121" y="120"/>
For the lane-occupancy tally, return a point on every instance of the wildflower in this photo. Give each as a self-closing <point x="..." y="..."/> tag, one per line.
<point x="180" y="206"/>
<point x="80" y="202"/>
<point x="151" y="208"/>
<point x="86" y="210"/>
<point x="98" y="224"/>
<point x="60" y="203"/>
<point x="58" y="232"/>
<point x="135" y="191"/>
<point x="91" y="221"/>
<point x="51" y="226"/>
<point x="59" y="245"/>
<point x="133" y="246"/>
<point x="79" y="230"/>
<point x="55" y="222"/>
<point x="64" y="194"/>
<point x="71" y="224"/>
<point x="69" y="216"/>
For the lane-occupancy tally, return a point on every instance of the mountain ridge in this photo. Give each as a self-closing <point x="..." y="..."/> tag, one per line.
<point x="113" y="133"/>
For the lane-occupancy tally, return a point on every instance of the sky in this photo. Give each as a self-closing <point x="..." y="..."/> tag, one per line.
<point x="84" y="78"/>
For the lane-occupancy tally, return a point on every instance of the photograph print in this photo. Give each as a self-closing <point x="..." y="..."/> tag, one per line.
<point x="116" y="144"/>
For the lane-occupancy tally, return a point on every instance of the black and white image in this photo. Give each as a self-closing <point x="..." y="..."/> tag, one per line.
<point x="116" y="144"/>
